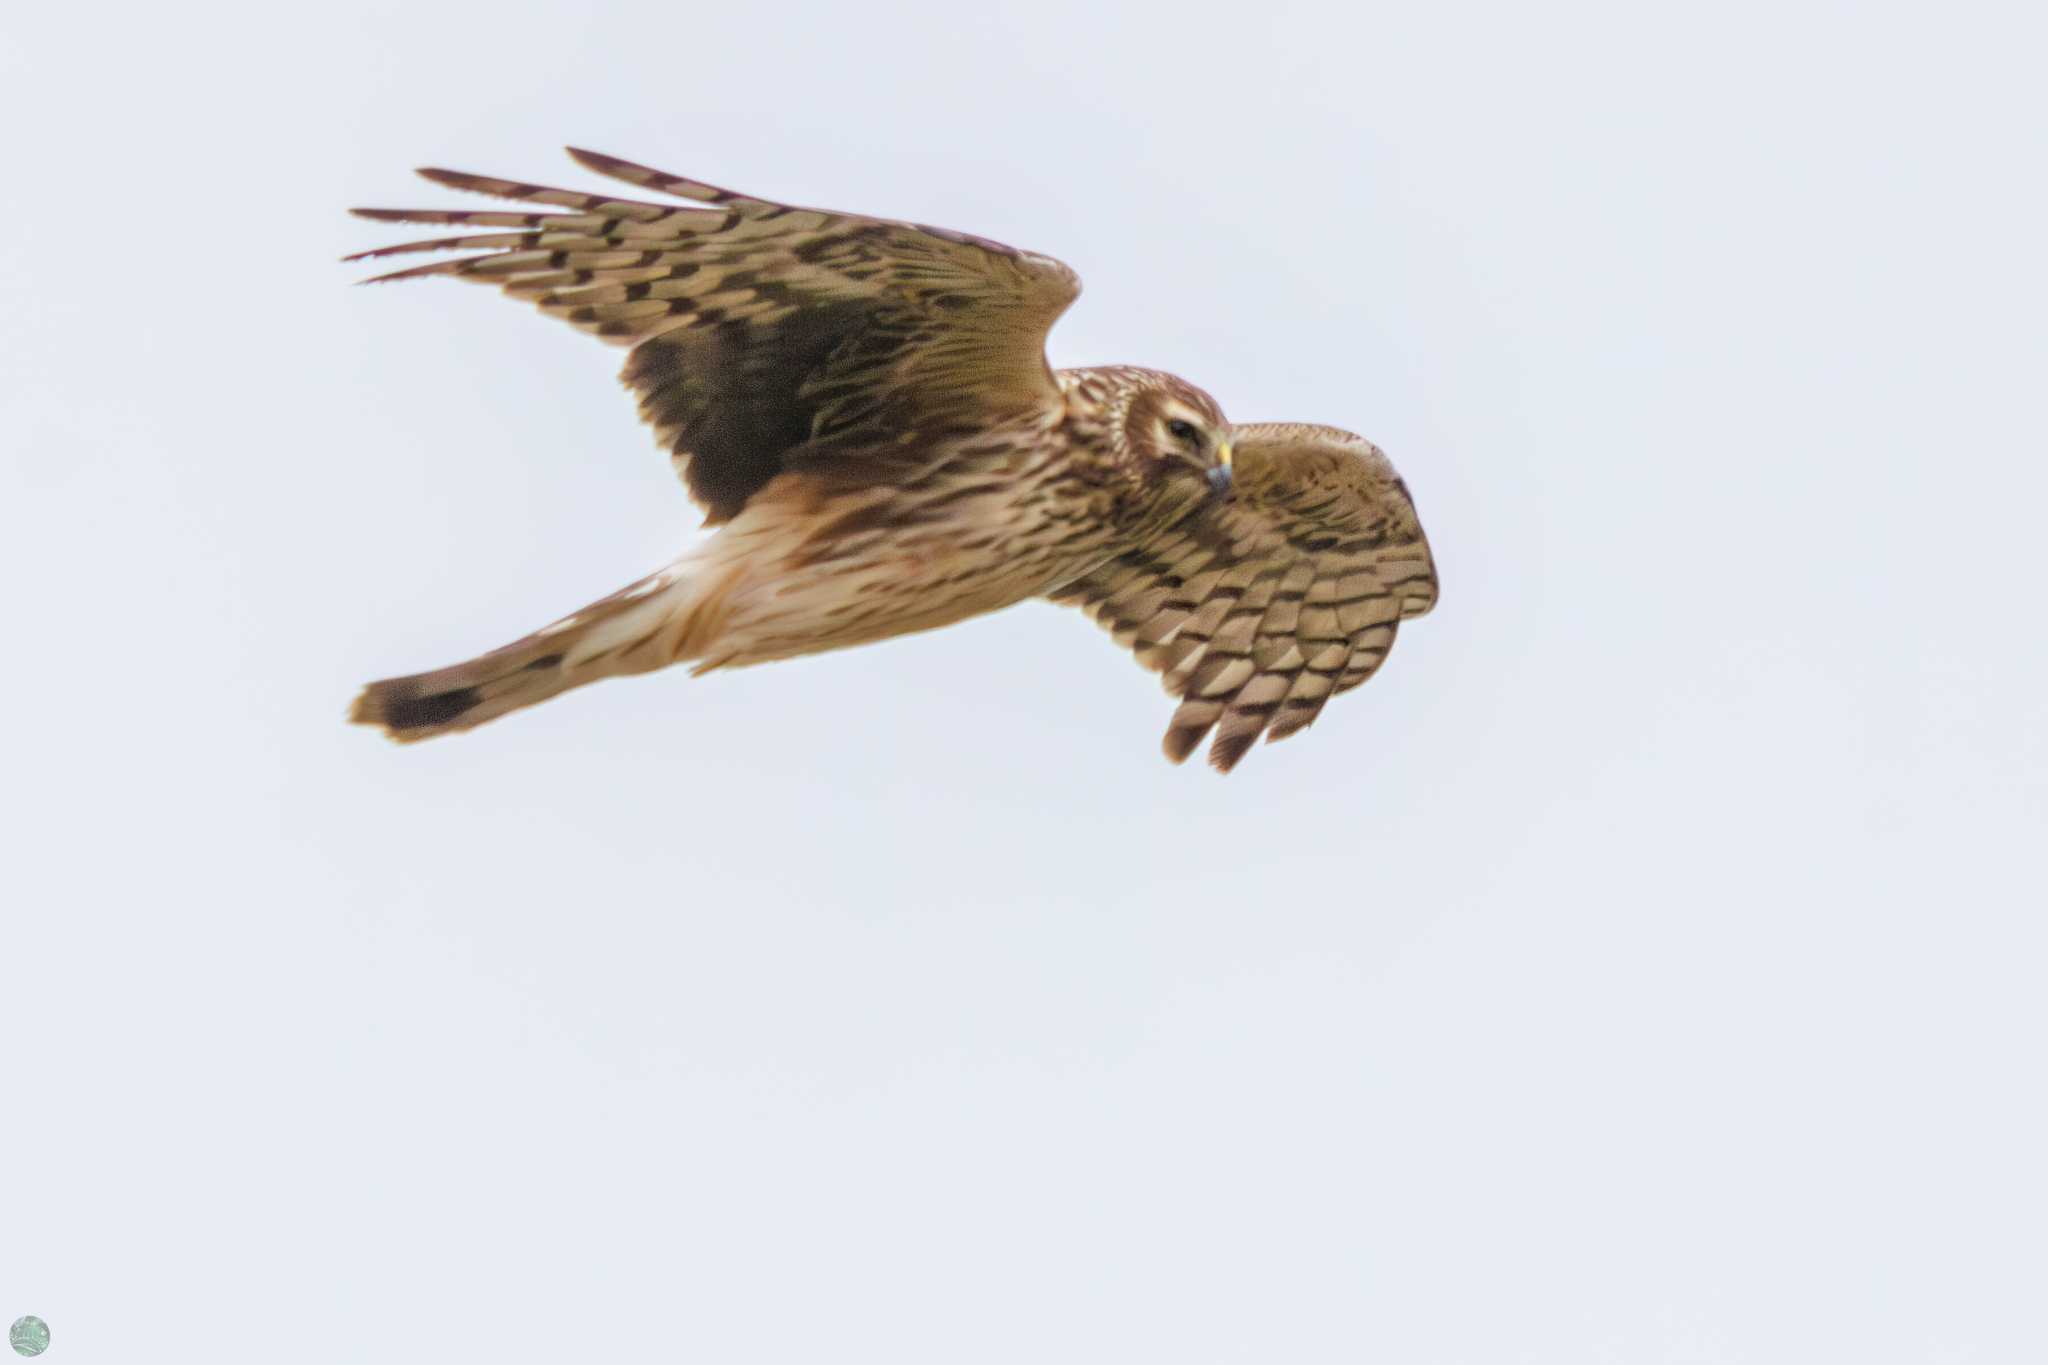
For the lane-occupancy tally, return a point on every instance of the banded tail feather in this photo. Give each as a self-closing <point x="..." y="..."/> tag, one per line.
<point x="663" y="618"/>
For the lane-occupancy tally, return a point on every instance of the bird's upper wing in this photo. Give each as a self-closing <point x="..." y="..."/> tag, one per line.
<point x="1261" y="606"/>
<point x="767" y="337"/>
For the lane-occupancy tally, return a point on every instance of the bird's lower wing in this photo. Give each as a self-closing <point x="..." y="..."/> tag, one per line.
<point x="1260" y="607"/>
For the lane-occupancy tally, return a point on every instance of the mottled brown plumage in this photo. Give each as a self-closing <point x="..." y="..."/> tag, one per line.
<point x="864" y="410"/>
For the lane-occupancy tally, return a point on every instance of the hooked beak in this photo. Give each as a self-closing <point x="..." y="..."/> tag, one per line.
<point x="1219" y="475"/>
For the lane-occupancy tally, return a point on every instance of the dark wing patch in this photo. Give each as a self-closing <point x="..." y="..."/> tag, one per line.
<point x="1260" y="608"/>
<point x="766" y="337"/>
<point x="727" y="400"/>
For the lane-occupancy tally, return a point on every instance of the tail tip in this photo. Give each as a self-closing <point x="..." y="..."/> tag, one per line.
<point x="405" y="714"/>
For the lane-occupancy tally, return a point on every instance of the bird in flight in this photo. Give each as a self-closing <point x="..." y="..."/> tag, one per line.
<point x="864" y="410"/>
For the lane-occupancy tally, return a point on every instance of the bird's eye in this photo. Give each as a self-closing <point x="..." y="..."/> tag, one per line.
<point x="1181" y="431"/>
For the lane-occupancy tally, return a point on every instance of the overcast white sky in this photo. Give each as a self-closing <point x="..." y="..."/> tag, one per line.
<point x="1646" y="967"/>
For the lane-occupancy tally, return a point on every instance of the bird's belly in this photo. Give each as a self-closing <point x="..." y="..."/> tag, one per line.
<point x="868" y="565"/>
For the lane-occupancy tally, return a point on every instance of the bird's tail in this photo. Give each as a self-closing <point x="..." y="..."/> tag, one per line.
<point x="664" y="617"/>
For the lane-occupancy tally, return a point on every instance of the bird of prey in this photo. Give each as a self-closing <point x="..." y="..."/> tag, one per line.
<point x="864" y="410"/>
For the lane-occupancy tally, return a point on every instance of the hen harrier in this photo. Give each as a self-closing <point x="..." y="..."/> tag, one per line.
<point x="864" y="408"/>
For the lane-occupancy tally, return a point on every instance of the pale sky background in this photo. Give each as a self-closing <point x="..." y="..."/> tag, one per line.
<point x="1647" y="967"/>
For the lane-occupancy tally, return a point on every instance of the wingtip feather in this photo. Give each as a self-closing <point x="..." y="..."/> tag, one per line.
<point x="1228" y="750"/>
<point x="1180" y="741"/>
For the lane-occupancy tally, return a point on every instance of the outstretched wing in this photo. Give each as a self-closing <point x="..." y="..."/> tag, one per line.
<point x="1260" y="607"/>
<point x="767" y="337"/>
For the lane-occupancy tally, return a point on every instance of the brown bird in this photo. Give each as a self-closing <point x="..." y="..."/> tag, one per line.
<point x="865" y="411"/>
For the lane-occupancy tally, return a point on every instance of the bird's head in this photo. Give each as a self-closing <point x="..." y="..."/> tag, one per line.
<point x="1178" y="433"/>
